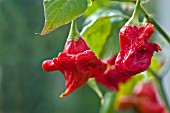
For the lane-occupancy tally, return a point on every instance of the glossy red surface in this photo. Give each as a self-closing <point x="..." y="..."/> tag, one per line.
<point x="135" y="50"/>
<point x="111" y="79"/>
<point x="77" y="63"/>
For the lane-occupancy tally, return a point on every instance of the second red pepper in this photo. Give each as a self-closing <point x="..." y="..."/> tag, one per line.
<point x="135" y="50"/>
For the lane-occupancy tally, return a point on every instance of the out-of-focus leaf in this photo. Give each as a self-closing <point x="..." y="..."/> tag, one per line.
<point x="92" y="8"/>
<point x="96" y="34"/>
<point x="107" y="107"/>
<point x="101" y="34"/>
<point x="102" y="12"/>
<point x="89" y="1"/>
<point x="59" y="12"/>
<point x="92" y="83"/>
<point x="155" y="66"/>
<point x="127" y="88"/>
<point x="95" y="5"/>
<point x="111" y="46"/>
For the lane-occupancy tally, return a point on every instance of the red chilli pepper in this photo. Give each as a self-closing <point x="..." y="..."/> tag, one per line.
<point x="143" y="100"/>
<point x="77" y="63"/>
<point x="111" y="78"/>
<point x="135" y="50"/>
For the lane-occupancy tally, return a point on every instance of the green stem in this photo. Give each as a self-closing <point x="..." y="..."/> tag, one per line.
<point x="136" y="12"/>
<point x="150" y="19"/>
<point x="133" y="21"/>
<point x="164" y="96"/>
<point x="162" y="90"/>
<point x="92" y="83"/>
<point x="107" y="107"/>
<point x="155" y="23"/>
<point x="74" y="33"/>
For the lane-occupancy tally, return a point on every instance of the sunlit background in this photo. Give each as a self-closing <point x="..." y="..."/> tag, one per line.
<point x="24" y="86"/>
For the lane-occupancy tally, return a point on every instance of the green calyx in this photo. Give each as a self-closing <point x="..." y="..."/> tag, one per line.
<point x="134" y="21"/>
<point x="74" y="33"/>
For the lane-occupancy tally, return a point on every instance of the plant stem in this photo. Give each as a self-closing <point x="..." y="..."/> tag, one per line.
<point x="164" y="96"/>
<point x="150" y="19"/>
<point x="92" y="83"/>
<point x="134" y="21"/>
<point x="162" y="90"/>
<point x="155" y="23"/>
<point x="107" y="107"/>
<point x="74" y="33"/>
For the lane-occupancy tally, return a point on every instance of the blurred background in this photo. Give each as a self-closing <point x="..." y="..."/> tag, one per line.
<point x="24" y="86"/>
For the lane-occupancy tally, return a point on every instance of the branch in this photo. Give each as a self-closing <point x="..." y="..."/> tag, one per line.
<point x="150" y="19"/>
<point x="162" y="90"/>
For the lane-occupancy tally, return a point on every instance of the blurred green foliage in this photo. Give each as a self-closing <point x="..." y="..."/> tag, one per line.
<point x="101" y="34"/>
<point x="24" y="86"/>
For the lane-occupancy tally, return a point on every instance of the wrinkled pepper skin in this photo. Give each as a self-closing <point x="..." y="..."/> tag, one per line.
<point x="111" y="60"/>
<point x="77" y="63"/>
<point x="144" y="99"/>
<point x="135" y="50"/>
<point x="111" y="79"/>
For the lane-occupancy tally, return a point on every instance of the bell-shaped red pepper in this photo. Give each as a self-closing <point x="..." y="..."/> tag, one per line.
<point x="144" y="99"/>
<point x="77" y="63"/>
<point x="135" y="50"/>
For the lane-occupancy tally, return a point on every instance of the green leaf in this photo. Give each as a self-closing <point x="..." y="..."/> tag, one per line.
<point x="89" y="1"/>
<point x="127" y="88"/>
<point x="108" y="106"/>
<point x="111" y="46"/>
<point x="96" y="34"/>
<point x="59" y="12"/>
<point x="154" y="68"/>
<point x="92" y="83"/>
<point x="101" y="34"/>
<point x="96" y="4"/>
<point x="155" y="64"/>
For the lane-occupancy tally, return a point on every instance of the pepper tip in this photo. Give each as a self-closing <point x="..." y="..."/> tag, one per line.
<point x="62" y="95"/>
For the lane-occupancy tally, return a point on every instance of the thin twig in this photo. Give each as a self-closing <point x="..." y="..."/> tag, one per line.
<point x="161" y="87"/>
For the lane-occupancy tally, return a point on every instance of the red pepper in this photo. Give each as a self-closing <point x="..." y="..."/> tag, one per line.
<point x="144" y="99"/>
<point x="111" y="78"/>
<point x="135" y="50"/>
<point x="77" y="63"/>
<point x="111" y="60"/>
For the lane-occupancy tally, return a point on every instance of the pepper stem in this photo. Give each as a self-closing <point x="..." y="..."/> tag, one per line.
<point x="74" y="33"/>
<point x="133" y="21"/>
